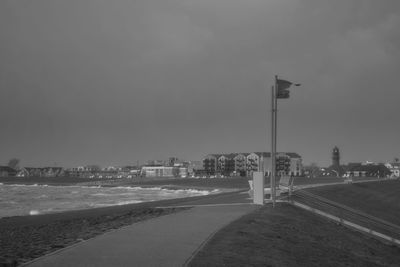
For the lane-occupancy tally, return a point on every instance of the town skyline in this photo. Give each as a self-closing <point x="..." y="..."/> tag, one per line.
<point x="93" y="82"/>
<point x="164" y="161"/>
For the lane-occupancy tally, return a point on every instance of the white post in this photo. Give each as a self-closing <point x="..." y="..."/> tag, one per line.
<point x="258" y="188"/>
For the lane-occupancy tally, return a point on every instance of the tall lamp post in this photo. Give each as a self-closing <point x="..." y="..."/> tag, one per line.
<point x="278" y="91"/>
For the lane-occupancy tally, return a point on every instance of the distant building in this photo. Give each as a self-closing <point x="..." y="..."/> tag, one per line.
<point x="253" y="162"/>
<point x="296" y="164"/>
<point x="172" y="161"/>
<point x="183" y="172"/>
<point x="195" y="166"/>
<point x="157" y="171"/>
<point x="128" y="172"/>
<point x="240" y="164"/>
<point x="157" y="162"/>
<point x="226" y="164"/>
<point x="394" y="168"/>
<point x="312" y="171"/>
<point x="335" y="170"/>
<point x="6" y="171"/>
<point x="210" y="164"/>
<point x="110" y="172"/>
<point x="246" y="163"/>
<point x="287" y="163"/>
<point x="335" y="157"/>
<point x="368" y="170"/>
<point x="41" y="172"/>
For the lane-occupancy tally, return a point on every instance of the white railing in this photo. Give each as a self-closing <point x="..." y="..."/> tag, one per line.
<point x="347" y="216"/>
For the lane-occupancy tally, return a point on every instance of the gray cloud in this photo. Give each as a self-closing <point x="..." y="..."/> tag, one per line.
<point x="112" y="83"/>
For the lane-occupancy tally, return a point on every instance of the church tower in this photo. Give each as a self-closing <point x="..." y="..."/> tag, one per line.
<point x="335" y="156"/>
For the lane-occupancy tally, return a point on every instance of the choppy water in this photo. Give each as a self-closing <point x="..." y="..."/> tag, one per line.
<point x="18" y="200"/>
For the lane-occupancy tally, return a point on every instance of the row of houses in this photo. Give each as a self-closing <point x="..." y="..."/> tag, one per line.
<point x="370" y="170"/>
<point x="358" y="169"/>
<point x="164" y="171"/>
<point x="244" y="164"/>
<point x="6" y="171"/>
<point x="178" y="170"/>
<point x="394" y="168"/>
<point x="40" y="172"/>
<point x="93" y="171"/>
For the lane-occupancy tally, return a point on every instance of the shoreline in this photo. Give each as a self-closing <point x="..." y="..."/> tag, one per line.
<point x="22" y="242"/>
<point x="24" y="238"/>
<point x="201" y="192"/>
<point x="203" y="183"/>
<point x="144" y="186"/>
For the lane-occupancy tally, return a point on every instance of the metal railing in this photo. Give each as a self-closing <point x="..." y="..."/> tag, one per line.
<point x="348" y="216"/>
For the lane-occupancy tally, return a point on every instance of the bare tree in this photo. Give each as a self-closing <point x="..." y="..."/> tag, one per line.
<point x="313" y="170"/>
<point x="13" y="163"/>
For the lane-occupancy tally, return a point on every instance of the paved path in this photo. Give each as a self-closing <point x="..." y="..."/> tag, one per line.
<point x="168" y="240"/>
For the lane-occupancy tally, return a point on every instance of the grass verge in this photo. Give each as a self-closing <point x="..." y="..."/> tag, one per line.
<point x="380" y="199"/>
<point x="288" y="236"/>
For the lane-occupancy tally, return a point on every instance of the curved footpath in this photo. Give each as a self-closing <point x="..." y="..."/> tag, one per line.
<point x="169" y="240"/>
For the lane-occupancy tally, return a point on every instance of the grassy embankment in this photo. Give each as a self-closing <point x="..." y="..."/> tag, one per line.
<point x="289" y="236"/>
<point x="380" y="199"/>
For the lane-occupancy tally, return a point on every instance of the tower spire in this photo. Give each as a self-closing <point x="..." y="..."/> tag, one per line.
<point x="335" y="156"/>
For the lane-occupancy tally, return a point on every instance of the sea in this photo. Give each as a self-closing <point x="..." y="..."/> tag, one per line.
<point x="21" y="200"/>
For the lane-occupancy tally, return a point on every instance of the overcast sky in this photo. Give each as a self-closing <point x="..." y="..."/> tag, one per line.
<point x="112" y="82"/>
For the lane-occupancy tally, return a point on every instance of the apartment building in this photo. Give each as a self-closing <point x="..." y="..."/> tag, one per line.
<point x="287" y="163"/>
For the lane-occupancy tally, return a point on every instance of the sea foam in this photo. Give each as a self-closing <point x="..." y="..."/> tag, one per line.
<point x="34" y="212"/>
<point x="37" y="199"/>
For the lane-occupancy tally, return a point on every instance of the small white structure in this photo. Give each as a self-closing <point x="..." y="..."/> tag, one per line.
<point x="157" y="171"/>
<point x="183" y="172"/>
<point x="258" y="188"/>
<point x="285" y="186"/>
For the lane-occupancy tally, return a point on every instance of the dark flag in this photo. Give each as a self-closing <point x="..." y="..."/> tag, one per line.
<point x="282" y="94"/>
<point x="282" y="88"/>
<point x="282" y="84"/>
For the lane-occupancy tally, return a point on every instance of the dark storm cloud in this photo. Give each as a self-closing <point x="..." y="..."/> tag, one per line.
<point x="112" y="82"/>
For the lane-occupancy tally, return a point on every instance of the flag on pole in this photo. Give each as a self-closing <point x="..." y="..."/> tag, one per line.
<point x="282" y="88"/>
<point x="282" y="94"/>
<point x="283" y="84"/>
